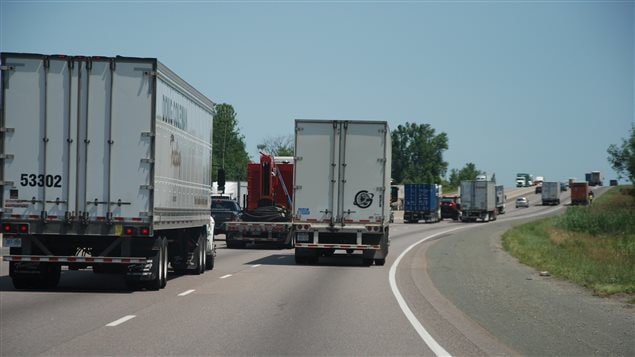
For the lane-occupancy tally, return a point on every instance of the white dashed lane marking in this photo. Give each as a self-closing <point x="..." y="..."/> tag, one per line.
<point x="187" y="292"/>
<point x="121" y="320"/>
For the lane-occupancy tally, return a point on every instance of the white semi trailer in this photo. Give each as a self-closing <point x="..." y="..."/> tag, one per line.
<point x="478" y="201"/>
<point x="342" y="189"/>
<point x="105" y="163"/>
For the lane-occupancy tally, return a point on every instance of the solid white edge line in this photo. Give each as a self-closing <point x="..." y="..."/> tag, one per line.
<point x="423" y="333"/>
<point x="121" y="320"/>
<point x="187" y="292"/>
<point x="225" y="276"/>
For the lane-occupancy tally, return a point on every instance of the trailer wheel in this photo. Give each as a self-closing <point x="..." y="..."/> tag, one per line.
<point x="367" y="262"/>
<point x="301" y="259"/>
<point x="159" y="276"/>
<point x="198" y="255"/>
<point x="164" y="264"/>
<point x="380" y="262"/>
<point x="209" y="259"/>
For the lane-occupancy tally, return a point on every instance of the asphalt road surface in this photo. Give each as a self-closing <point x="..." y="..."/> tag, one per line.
<point x="454" y="292"/>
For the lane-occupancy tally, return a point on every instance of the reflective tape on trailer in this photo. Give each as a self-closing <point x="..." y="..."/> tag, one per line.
<point x="338" y="246"/>
<point x="75" y="259"/>
<point x="258" y="239"/>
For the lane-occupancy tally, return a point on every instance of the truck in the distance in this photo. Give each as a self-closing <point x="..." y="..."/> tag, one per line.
<point x="422" y="201"/>
<point x="478" y="200"/>
<point x="500" y="199"/>
<point x="524" y="180"/>
<point x="342" y="189"/>
<point x="594" y="178"/>
<point x="550" y="193"/>
<point x="268" y="213"/>
<point x="579" y="193"/>
<point x="105" y="164"/>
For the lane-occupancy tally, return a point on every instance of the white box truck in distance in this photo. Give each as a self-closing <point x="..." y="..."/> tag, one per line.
<point x="105" y="163"/>
<point x="342" y="189"/>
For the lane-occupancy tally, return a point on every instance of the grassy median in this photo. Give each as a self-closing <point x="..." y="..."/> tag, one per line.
<point x="593" y="246"/>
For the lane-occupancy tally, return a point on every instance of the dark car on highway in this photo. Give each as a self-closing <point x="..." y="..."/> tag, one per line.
<point x="224" y="210"/>
<point x="450" y="207"/>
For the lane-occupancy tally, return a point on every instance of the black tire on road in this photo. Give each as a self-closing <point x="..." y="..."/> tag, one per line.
<point x="380" y="262"/>
<point x="159" y="259"/>
<point x="209" y="259"/>
<point x="198" y="256"/>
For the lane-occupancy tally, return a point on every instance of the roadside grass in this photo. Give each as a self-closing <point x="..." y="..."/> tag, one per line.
<point x="593" y="246"/>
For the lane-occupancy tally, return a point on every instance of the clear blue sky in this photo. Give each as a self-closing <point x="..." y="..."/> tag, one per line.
<point x="519" y="86"/>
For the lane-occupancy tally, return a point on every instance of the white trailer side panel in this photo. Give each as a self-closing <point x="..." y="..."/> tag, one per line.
<point x="99" y="139"/>
<point x="183" y="152"/>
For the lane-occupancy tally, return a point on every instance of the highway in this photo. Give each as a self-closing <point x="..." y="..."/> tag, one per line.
<point x="452" y="291"/>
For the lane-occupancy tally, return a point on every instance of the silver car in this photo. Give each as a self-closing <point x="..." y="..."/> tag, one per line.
<point x="522" y="202"/>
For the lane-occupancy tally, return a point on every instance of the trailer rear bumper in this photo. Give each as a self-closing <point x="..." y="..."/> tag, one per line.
<point x="75" y="259"/>
<point x="338" y="246"/>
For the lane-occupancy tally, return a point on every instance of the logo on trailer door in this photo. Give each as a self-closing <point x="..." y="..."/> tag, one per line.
<point x="363" y="199"/>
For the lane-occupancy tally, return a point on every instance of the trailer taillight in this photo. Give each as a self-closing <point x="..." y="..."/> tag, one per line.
<point x="22" y="228"/>
<point x="136" y="231"/>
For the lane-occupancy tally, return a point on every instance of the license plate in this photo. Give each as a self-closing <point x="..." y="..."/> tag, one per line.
<point x="11" y="242"/>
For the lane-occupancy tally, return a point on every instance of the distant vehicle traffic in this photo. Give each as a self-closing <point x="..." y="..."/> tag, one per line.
<point x="500" y="199"/>
<point x="478" y="201"/>
<point x="524" y="180"/>
<point x="422" y="202"/>
<point x="550" y="193"/>
<point x="594" y="178"/>
<point x="522" y="202"/>
<point x="580" y="193"/>
<point x="450" y="207"/>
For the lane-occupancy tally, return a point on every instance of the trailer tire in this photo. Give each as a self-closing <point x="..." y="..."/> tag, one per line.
<point x="367" y="262"/>
<point x="198" y="256"/>
<point x="301" y="259"/>
<point x="159" y="267"/>
<point x="380" y="262"/>
<point x="209" y="259"/>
